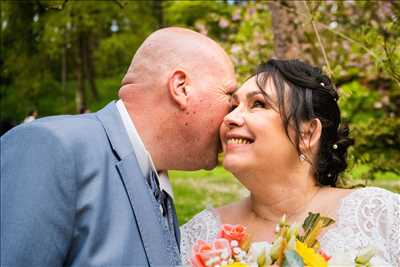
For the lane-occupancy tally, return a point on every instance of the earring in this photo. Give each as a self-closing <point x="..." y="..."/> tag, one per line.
<point x="302" y="157"/>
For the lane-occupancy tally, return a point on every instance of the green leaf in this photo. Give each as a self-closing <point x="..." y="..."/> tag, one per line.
<point x="312" y="226"/>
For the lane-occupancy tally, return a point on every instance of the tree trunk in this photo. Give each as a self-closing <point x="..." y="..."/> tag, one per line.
<point x="64" y="70"/>
<point x="158" y="12"/>
<point x="80" y="100"/>
<point x="286" y="30"/>
<point x="89" y="66"/>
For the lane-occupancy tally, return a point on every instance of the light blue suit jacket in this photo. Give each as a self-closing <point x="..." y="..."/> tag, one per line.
<point x="72" y="194"/>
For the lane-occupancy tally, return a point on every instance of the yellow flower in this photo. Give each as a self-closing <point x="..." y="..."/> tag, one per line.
<point x="310" y="257"/>
<point x="237" y="264"/>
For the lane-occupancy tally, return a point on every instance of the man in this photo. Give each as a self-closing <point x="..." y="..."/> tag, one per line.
<point x="31" y="116"/>
<point x="85" y="191"/>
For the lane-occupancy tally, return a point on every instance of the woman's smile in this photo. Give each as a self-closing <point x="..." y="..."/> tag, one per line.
<point x="235" y="141"/>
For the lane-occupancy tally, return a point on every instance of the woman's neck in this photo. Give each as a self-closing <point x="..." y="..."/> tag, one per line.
<point x="293" y="198"/>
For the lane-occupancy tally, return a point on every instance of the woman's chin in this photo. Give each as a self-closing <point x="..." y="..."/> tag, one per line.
<point x="234" y="165"/>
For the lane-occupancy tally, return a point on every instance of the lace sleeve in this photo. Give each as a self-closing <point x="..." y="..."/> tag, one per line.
<point x="381" y="214"/>
<point x="367" y="217"/>
<point x="392" y="225"/>
<point x="203" y="226"/>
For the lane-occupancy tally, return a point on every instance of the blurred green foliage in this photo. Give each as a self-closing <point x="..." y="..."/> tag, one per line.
<point x="42" y="40"/>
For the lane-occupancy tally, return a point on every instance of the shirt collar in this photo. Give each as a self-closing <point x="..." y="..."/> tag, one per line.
<point x="143" y="156"/>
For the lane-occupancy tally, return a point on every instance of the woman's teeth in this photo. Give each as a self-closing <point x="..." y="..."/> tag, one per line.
<point x="237" y="141"/>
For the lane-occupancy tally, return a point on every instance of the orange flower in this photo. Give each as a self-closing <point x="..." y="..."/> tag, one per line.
<point x="233" y="232"/>
<point x="210" y="254"/>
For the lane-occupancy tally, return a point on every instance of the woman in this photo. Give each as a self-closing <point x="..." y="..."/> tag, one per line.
<point x="284" y="142"/>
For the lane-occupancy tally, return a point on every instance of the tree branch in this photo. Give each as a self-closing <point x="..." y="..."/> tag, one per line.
<point x="119" y="4"/>
<point x="390" y="62"/>
<point x="58" y="8"/>
<point x="369" y="51"/>
<point x="340" y="34"/>
<point x="330" y="73"/>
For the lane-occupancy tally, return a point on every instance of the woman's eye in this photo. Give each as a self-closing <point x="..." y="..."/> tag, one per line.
<point x="258" y="104"/>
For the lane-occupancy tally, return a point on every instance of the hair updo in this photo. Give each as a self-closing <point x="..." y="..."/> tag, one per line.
<point x="311" y="95"/>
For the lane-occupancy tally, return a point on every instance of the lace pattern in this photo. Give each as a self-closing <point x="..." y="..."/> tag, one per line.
<point x="366" y="217"/>
<point x="204" y="226"/>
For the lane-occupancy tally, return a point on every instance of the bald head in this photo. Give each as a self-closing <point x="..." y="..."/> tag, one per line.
<point x="177" y="91"/>
<point x="172" y="48"/>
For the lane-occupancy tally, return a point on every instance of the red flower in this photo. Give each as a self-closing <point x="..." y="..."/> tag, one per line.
<point x="203" y="252"/>
<point x="324" y="255"/>
<point x="233" y="232"/>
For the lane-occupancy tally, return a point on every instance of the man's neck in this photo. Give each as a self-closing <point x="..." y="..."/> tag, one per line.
<point x="149" y="128"/>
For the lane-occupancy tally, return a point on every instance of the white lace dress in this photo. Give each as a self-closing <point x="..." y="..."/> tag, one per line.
<point x="366" y="217"/>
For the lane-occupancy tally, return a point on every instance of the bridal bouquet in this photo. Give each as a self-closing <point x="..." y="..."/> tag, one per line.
<point x="290" y="248"/>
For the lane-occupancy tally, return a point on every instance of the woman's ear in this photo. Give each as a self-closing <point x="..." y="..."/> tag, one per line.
<point x="178" y="88"/>
<point x="310" y="135"/>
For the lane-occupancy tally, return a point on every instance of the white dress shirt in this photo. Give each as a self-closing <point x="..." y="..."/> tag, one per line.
<point x="143" y="156"/>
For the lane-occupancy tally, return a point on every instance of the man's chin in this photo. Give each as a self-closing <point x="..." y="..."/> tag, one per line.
<point x="209" y="168"/>
<point x="211" y="164"/>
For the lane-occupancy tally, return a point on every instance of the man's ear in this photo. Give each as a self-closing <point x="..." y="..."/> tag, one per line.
<point x="310" y="134"/>
<point x="178" y="88"/>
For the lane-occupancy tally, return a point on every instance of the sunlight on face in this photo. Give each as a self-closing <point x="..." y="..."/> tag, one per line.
<point x="252" y="134"/>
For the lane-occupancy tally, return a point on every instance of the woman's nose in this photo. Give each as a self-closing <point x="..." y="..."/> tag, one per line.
<point x="234" y="119"/>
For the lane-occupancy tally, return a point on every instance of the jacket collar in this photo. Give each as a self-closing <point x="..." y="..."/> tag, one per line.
<point x="114" y="127"/>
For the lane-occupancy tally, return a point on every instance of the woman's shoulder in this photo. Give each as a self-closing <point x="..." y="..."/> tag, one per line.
<point x="373" y="211"/>
<point x="372" y="194"/>
<point x="369" y="216"/>
<point x="370" y="202"/>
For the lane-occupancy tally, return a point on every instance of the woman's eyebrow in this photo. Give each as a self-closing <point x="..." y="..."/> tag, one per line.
<point x="253" y="93"/>
<point x="249" y="95"/>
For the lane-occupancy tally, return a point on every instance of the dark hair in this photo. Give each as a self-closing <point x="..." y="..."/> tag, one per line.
<point x="311" y="95"/>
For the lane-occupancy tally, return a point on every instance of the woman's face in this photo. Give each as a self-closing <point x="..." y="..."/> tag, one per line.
<point x="253" y="135"/>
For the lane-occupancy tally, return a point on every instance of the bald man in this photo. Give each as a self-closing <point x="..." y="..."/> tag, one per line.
<point x="92" y="190"/>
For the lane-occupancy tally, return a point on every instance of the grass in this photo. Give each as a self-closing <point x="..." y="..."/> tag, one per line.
<point x="195" y="191"/>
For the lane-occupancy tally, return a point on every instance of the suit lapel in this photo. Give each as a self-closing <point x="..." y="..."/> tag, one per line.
<point x="140" y="197"/>
<point x="142" y="203"/>
<point x="116" y="132"/>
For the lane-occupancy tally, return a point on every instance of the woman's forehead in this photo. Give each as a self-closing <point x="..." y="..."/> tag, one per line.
<point x="252" y="87"/>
